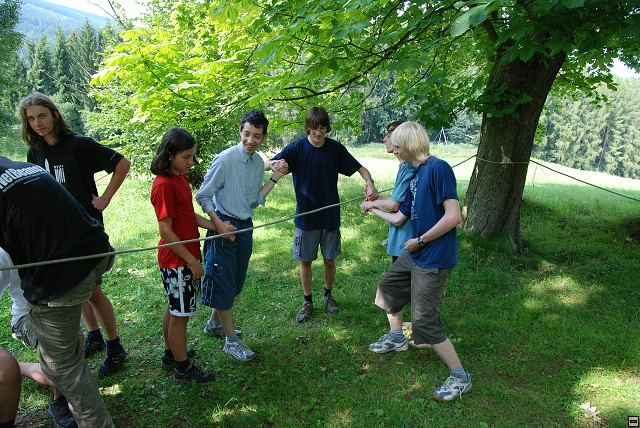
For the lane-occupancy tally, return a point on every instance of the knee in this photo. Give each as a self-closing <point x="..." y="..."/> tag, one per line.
<point x="97" y="292"/>
<point x="9" y="369"/>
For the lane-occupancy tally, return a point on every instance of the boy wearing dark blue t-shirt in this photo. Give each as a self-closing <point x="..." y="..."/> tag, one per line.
<point x="315" y="162"/>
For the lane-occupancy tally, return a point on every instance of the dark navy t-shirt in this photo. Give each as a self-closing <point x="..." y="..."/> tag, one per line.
<point x="315" y="179"/>
<point x="433" y="183"/>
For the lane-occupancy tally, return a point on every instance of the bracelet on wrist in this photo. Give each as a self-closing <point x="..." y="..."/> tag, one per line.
<point x="274" y="181"/>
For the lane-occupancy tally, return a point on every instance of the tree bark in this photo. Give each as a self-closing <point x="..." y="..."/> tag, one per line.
<point x="494" y="198"/>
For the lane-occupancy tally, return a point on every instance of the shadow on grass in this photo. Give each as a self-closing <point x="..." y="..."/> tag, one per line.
<point x="543" y="331"/>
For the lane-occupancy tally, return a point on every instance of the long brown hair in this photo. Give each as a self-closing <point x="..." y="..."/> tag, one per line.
<point x="174" y="141"/>
<point x="60" y="127"/>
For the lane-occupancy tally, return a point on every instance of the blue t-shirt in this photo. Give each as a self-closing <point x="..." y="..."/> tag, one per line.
<point x="398" y="236"/>
<point x="315" y="179"/>
<point x="433" y="184"/>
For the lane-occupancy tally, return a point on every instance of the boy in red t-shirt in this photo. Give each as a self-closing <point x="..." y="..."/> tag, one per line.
<point x="179" y="264"/>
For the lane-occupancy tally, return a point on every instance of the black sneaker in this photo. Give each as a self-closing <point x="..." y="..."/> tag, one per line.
<point x="93" y="345"/>
<point x="169" y="363"/>
<point x="60" y="413"/>
<point x="193" y="373"/>
<point x="113" y="363"/>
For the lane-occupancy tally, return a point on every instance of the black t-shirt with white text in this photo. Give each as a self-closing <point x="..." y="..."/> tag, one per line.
<point x="41" y="221"/>
<point x="73" y="161"/>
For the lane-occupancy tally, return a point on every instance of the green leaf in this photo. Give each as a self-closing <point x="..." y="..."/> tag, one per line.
<point x="572" y="4"/>
<point x="472" y="17"/>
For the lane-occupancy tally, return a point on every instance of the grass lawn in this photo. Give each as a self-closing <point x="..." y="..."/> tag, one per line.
<point x="550" y="335"/>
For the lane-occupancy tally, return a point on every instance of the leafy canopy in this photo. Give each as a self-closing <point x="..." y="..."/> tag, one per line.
<point x="200" y="64"/>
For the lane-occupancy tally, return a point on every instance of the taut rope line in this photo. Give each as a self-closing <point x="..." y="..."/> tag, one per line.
<point x="73" y="259"/>
<point x="135" y="250"/>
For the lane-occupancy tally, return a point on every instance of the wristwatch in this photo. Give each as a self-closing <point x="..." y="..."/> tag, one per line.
<point x="420" y="241"/>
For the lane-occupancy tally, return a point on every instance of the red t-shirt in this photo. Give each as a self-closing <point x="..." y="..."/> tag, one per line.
<point x="172" y="197"/>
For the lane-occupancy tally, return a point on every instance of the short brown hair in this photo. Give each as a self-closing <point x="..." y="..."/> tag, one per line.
<point x="316" y="117"/>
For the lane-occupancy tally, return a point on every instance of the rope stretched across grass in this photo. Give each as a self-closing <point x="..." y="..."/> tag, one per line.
<point x="222" y="235"/>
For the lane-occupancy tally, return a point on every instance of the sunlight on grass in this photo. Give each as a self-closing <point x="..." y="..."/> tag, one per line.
<point x="606" y="397"/>
<point x="557" y="291"/>
<point x="112" y="390"/>
<point x="341" y="417"/>
<point x="339" y="334"/>
<point x="230" y="413"/>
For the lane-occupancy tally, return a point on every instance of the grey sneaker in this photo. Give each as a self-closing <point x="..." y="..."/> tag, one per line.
<point x="211" y="330"/>
<point x="330" y="304"/>
<point x="239" y="350"/>
<point x="193" y="373"/>
<point x="305" y="312"/>
<point x="453" y="387"/>
<point x="60" y="413"/>
<point x="387" y="344"/>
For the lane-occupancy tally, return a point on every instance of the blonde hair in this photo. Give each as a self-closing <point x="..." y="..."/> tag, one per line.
<point x="412" y="137"/>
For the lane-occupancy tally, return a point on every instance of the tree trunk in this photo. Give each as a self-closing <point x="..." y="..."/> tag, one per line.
<point x="493" y="200"/>
<point x="605" y="138"/>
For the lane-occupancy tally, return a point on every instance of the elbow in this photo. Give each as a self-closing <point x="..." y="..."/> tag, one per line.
<point x="458" y="219"/>
<point x="124" y="165"/>
<point x="399" y="221"/>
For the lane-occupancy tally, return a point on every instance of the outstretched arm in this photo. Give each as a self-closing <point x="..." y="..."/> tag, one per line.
<point x="395" y="218"/>
<point x="271" y="182"/>
<point x="384" y="204"/>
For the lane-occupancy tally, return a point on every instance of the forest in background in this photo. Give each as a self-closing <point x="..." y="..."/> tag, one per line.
<point x="580" y="132"/>
<point x="38" y="17"/>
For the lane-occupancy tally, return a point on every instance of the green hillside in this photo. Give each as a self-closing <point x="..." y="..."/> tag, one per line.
<point x="38" y="17"/>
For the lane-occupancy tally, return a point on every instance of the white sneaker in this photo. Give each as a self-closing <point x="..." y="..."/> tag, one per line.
<point x="239" y="350"/>
<point x="452" y="388"/>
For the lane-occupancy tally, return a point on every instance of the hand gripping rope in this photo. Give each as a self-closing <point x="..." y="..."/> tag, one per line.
<point x="134" y="250"/>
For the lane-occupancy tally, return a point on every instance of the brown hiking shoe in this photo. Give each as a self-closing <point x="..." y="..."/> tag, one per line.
<point x="330" y="304"/>
<point x="305" y="312"/>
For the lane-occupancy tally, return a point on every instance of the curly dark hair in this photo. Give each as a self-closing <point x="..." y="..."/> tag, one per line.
<point x="257" y="119"/>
